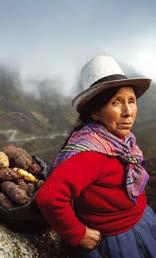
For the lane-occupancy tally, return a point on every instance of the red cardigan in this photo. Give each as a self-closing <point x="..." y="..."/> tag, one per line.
<point x="96" y="184"/>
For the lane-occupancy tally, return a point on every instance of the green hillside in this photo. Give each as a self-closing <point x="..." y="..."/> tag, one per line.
<point x="39" y="125"/>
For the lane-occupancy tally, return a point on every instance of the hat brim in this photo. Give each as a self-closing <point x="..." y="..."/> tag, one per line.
<point x="140" y="85"/>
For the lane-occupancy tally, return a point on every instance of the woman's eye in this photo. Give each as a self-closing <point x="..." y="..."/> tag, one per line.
<point x="115" y="103"/>
<point x="132" y="101"/>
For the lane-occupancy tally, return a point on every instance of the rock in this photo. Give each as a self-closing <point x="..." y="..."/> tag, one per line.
<point x="50" y="245"/>
<point x="13" y="245"/>
<point x="42" y="245"/>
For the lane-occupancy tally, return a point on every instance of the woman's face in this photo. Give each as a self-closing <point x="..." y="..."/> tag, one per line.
<point x="119" y="114"/>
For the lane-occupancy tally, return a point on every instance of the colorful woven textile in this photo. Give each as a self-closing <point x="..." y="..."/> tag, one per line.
<point x="95" y="137"/>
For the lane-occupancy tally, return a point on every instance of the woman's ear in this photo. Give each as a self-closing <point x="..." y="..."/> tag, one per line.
<point x="95" y="116"/>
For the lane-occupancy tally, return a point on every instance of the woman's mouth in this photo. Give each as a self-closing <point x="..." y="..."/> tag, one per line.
<point x="125" y="125"/>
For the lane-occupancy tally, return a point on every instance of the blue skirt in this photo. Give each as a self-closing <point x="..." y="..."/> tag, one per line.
<point x="138" y="242"/>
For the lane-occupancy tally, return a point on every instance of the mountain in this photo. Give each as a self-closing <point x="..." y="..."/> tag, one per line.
<point x="41" y="124"/>
<point x="145" y="127"/>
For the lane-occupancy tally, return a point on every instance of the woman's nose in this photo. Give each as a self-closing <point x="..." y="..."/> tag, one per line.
<point x="126" y="111"/>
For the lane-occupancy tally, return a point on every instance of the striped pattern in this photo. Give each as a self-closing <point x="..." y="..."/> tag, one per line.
<point x="95" y="137"/>
<point x="78" y="147"/>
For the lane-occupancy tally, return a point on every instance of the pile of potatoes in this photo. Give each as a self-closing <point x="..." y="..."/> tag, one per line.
<point x="20" y="177"/>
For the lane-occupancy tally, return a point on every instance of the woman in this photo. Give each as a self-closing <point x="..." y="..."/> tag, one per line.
<point x="95" y="196"/>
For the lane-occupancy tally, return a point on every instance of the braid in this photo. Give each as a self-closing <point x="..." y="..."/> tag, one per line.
<point x="94" y="104"/>
<point x="85" y="112"/>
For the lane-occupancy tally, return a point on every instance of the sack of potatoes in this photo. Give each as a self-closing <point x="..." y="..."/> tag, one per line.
<point x="21" y="175"/>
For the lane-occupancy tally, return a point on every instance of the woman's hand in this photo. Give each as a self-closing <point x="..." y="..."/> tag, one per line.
<point x="91" y="238"/>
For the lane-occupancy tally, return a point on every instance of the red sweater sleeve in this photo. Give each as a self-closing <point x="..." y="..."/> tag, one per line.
<point x="66" y="182"/>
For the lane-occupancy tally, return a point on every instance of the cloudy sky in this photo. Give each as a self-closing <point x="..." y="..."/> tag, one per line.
<point x="54" y="38"/>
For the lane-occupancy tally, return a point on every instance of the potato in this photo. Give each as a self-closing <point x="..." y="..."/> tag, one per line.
<point x="18" y="157"/>
<point x="22" y="184"/>
<point x="39" y="184"/>
<point x="8" y="174"/>
<point x="31" y="189"/>
<point x="4" y="160"/>
<point x="26" y="175"/>
<point x="5" y="202"/>
<point x="35" y="169"/>
<point x="15" y="193"/>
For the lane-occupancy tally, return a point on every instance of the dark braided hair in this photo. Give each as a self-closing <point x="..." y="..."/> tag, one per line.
<point x="95" y="104"/>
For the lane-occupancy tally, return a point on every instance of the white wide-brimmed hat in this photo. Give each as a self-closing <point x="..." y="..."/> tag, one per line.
<point x="104" y="68"/>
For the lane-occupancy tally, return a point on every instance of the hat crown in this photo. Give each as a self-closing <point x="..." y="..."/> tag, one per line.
<point x="97" y="68"/>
